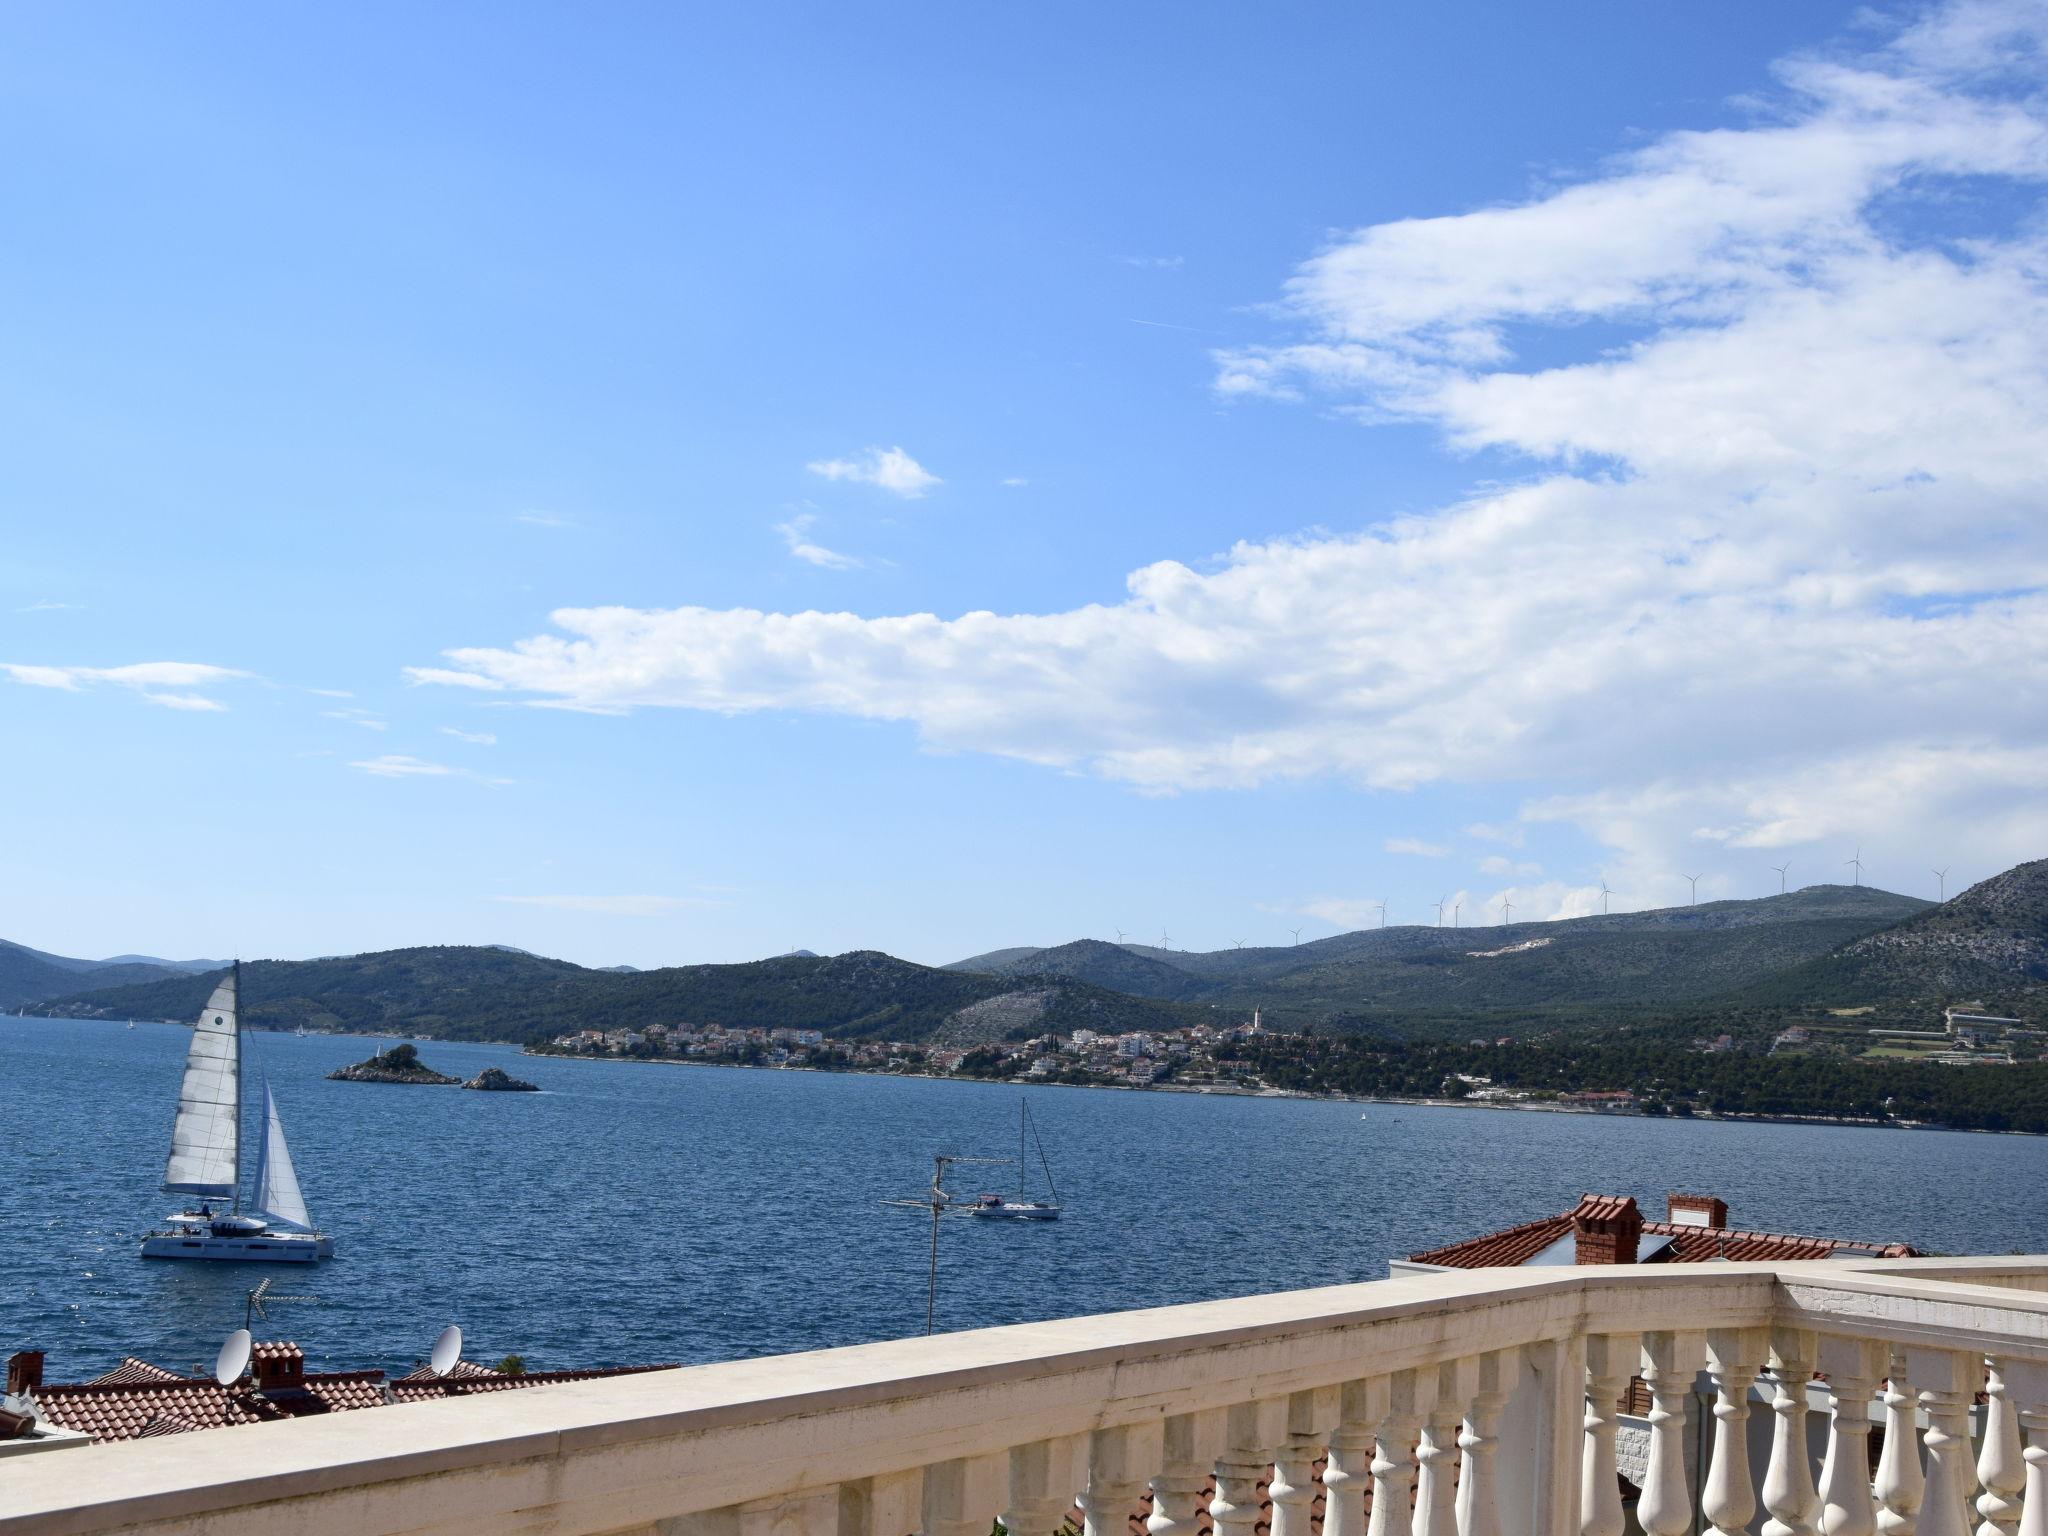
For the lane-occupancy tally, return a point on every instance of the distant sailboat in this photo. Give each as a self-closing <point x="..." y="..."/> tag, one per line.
<point x="996" y="1208"/>
<point x="205" y="1158"/>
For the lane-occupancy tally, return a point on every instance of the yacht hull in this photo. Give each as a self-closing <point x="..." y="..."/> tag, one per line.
<point x="261" y="1248"/>
<point x="1013" y="1212"/>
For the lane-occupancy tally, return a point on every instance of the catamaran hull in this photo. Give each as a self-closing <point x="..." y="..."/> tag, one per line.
<point x="269" y="1248"/>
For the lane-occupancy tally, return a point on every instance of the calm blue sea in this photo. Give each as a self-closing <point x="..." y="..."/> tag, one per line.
<point x="638" y="1212"/>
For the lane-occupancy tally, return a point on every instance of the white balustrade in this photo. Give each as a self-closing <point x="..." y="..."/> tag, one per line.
<point x="1947" y="1380"/>
<point x="1901" y="1485"/>
<point x="1489" y="1399"/>
<point x="1610" y="1367"/>
<point x="2000" y="1469"/>
<point x="1734" y="1356"/>
<point x="1789" y="1493"/>
<point x="1852" y="1367"/>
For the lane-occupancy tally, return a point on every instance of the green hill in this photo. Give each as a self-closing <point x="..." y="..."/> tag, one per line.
<point x="485" y="993"/>
<point x="30" y="976"/>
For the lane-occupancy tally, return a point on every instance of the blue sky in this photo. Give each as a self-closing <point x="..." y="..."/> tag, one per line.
<point x="1468" y="449"/>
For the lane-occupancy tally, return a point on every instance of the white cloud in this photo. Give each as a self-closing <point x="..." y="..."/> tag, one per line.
<point x="1154" y="263"/>
<point x="1494" y="864"/>
<point x="474" y="738"/>
<point x="398" y="765"/>
<point x="331" y="693"/>
<point x="1416" y="847"/>
<point x="1015" y="480"/>
<point x="47" y="606"/>
<point x="612" y="906"/>
<point x="1489" y="832"/>
<point x="361" y="717"/>
<point x="148" y="679"/>
<point x="1779" y="570"/>
<point x="890" y="469"/>
<point x="796" y="537"/>
<point x="543" y="520"/>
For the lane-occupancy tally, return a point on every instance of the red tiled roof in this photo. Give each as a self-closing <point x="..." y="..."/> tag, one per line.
<point x="1689" y="1244"/>
<point x="422" y="1386"/>
<point x="132" y="1369"/>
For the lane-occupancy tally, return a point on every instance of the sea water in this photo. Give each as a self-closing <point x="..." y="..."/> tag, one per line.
<point x="640" y="1212"/>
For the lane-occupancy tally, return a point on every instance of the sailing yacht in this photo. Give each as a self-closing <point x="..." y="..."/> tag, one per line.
<point x="996" y="1208"/>
<point x="206" y="1160"/>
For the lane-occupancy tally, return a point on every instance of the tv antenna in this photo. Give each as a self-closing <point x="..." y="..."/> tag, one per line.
<point x="1440" y="903"/>
<point x="1941" y="875"/>
<point x="1604" y="894"/>
<point x="939" y="1200"/>
<point x="1857" y="864"/>
<point x="1297" y="934"/>
<point x="447" y="1351"/>
<point x="256" y="1300"/>
<point x="1383" y="912"/>
<point x="1781" y="868"/>
<point x="1694" y="882"/>
<point x="233" y="1358"/>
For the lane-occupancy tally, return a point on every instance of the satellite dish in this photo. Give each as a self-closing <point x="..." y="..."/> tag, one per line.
<point x="233" y="1358"/>
<point x="447" y="1350"/>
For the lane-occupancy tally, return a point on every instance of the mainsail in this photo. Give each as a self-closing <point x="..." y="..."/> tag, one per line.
<point x="277" y="1182"/>
<point x="204" y="1145"/>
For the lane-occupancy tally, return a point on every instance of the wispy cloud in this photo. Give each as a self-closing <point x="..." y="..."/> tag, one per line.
<point x="612" y="906"/>
<point x="544" y="520"/>
<point x="331" y="693"/>
<point x="48" y="606"/>
<point x="1494" y="864"/>
<point x="169" y="684"/>
<point x="361" y="717"/>
<point x="1416" y="847"/>
<point x="1015" y="480"/>
<point x="1153" y="263"/>
<point x="796" y="538"/>
<point x="890" y="469"/>
<point x="1766" y="599"/>
<point x="474" y="738"/>
<point x="398" y="765"/>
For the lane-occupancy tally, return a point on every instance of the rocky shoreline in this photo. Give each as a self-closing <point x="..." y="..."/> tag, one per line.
<point x="401" y="1065"/>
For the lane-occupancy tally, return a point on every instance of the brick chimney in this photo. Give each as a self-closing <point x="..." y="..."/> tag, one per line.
<point x="1606" y="1229"/>
<point x="1696" y="1211"/>
<point x="24" y="1370"/>
<point x="279" y="1367"/>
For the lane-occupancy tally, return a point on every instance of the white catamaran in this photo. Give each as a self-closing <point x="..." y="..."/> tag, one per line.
<point x="206" y="1160"/>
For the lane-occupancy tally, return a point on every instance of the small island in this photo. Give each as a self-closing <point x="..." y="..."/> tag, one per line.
<point x="494" y="1080"/>
<point x="400" y="1064"/>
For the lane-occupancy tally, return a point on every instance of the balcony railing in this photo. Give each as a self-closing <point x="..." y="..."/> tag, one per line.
<point x="1475" y="1403"/>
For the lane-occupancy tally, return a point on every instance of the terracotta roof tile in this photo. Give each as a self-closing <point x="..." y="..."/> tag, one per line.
<point x="1689" y="1244"/>
<point x="132" y="1369"/>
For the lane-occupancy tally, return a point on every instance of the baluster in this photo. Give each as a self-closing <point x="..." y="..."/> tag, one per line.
<point x="1900" y="1483"/>
<point x="1250" y="1431"/>
<point x="1435" y="1512"/>
<point x="1043" y="1478"/>
<point x="1348" y="1473"/>
<point x="1189" y="1449"/>
<point x="2028" y="1385"/>
<point x="1310" y="1417"/>
<point x="1999" y="1465"/>
<point x="1852" y="1367"/>
<point x="1789" y="1493"/>
<point x="1728" y="1500"/>
<point x="1121" y="1461"/>
<point x="1670" y="1362"/>
<point x="1478" y="1476"/>
<point x="963" y="1496"/>
<point x="1610" y="1367"/>
<point x="890" y="1505"/>
<point x="1947" y="1381"/>
<point x="1410" y="1395"/>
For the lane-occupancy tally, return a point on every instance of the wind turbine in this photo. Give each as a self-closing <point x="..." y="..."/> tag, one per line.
<point x="1942" y="876"/>
<point x="1440" y="903"/>
<point x="1604" y="894"/>
<point x="1694" y="881"/>
<point x="1237" y="943"/>
<point x="1858" y="863"/>
<point x="1781" y="868"/>
<point x="1165" y="939"/>
<point x="1383" y="912"/>
<point x="1297" y="934"/>
<point x="1506" y="910"/>
<point x="1120" y="935"/>
<point x="1456" y="907"/>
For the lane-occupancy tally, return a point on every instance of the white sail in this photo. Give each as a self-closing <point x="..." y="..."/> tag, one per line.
<point x="277" y="1182"/>
<point x="204" y="1145"/>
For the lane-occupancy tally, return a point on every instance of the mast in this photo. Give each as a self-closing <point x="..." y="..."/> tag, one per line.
<point x="237" y="1207"/>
